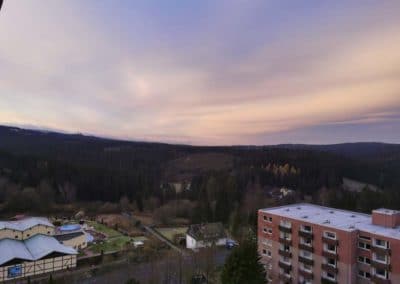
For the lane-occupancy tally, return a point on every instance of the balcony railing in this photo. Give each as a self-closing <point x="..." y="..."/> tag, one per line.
<point x="285" y="241"/>
<point x="379" y="280"/>
<point x="306" y="260"/>
<point x="330" y="254"/>
<point x="329" y="268"/>
<point x="306" y="247"/>
<point x="285" y="253"/>
<point x="381" y="250"/>
<point x="380" y="265"/>
<point x="306" y="234"/>
<point x="285" y="277"/>
<point x="285" y="265"/>
<point x="285" y="229"/>
<point x="325" y="280"/>
<point x="306" y="274"/>
<point x="330" y="241"/>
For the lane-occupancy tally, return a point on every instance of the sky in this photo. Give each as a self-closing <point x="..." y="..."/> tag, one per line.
<point x="204" y="72"/>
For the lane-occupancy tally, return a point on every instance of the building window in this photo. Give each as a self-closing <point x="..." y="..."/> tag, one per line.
<point x="364" y="274"/>
<point x="382" y="273"/>
<point x="306" y="241"/>
<point x="16" y="237"/>
<point x="284" y="235"/>
<point x="381" y="243"/>
<point x="307" y="267"/>
<point x="268" y="219"/>
<point x="267" y="230"/>
<point x="330" y="235"/>
<point x="286" y="224"/>
<point x="330" y="248"/>
<point x="330" y="275"/>
<point x="306" y="254"/>
<point x="306" y="228"/>
<point x="285" y="259"/>
<point x="363" y="259"/>
<point x="331" y="262"/>
<point x="28" y="235"/>
<point x="365" y="238"/>
<point x="380" y="257"/>
<point x="363" y="245"/>
<point x="48" y="232"/>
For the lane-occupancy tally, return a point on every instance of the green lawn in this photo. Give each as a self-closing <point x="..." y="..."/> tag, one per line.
<point x="111" y="233"/>
<point x="113" y="244"/>
<point x="169" y="233"/>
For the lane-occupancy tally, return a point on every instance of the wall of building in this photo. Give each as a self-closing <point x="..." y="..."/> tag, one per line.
<point x="31" y="268"/>
<point x="79" y="242"/>
<point x="348" y="251"/>
<point x="191" y="243"/>
<point x="22" y="235"/>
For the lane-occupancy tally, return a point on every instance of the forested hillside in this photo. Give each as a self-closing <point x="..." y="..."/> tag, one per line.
<point x="219" y="180"/>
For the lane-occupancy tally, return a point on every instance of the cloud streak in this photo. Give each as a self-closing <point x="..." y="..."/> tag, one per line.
<point x="210" y="73"/>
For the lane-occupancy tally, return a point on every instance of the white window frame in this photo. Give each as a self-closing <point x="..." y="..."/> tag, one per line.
<point x="304" y="230"/>
<point x="330" y="235"/>
<point x="364" y="246"/>
<point x="378" y="260"/>
<point x="381" y="246"/>
<point x="381" y="276"/>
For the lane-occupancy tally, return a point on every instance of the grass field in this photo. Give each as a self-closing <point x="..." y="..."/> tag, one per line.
<point x="169" y="233"/>
<point x="111" y="233"/>
<point x="113" y="244"/>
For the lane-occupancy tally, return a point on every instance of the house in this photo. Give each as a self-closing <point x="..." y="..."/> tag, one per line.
<point x="204" y="235"/>
<point x="28" y="248"/>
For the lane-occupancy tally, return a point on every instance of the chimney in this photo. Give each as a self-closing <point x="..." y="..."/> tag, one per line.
<point x="386" y="217"/>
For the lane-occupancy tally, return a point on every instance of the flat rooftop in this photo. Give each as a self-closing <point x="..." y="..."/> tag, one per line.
<point x="333" y="218"/>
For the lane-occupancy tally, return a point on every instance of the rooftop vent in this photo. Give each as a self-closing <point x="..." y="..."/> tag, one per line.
<point x="353" y="216"/>
<point x="326" y="222"/>
<point x="304" y="217"/>
<point x="287" y="209"/>
<point x="351" y="227"/>
<point x="331" y="212"/>
<point x="299" y="208"/>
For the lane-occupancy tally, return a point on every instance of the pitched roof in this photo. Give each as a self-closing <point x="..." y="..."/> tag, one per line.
<point x="25" y="224"/>
<point x="31" y="249"/>
<point x="207" y="232"/>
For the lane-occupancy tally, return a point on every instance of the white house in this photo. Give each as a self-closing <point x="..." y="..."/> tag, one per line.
<point x="203" y="235"/>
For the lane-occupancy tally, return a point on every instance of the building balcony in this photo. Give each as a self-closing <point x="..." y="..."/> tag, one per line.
<point x="330" y="254"/>
<point x="379" y="280"/>
<point x="306" y="234"/>
<point x="381" y="250"/>
<point x="285" y="229"/>
<point x="306" y="274"/>
<point x="306" y="247"/>
<point x="285" y="278"/>
<point x="330" y="241"/>
<point x="285" y="265"/>
<point x="325" y="280"/>
<point x="285" y="241"/>
<point x="306" y="260"/>
<point x="285" y="253"/>
<point x="380" y="265"/>
<point x="329" y="268"/>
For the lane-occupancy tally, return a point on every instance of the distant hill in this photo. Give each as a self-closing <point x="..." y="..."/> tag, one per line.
<point x="106" y="169"/>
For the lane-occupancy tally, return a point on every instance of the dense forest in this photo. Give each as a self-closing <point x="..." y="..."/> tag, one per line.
<point x="223" y="183"/>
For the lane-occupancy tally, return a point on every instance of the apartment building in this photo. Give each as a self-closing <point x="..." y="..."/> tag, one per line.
<point x="306" y="243"/>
